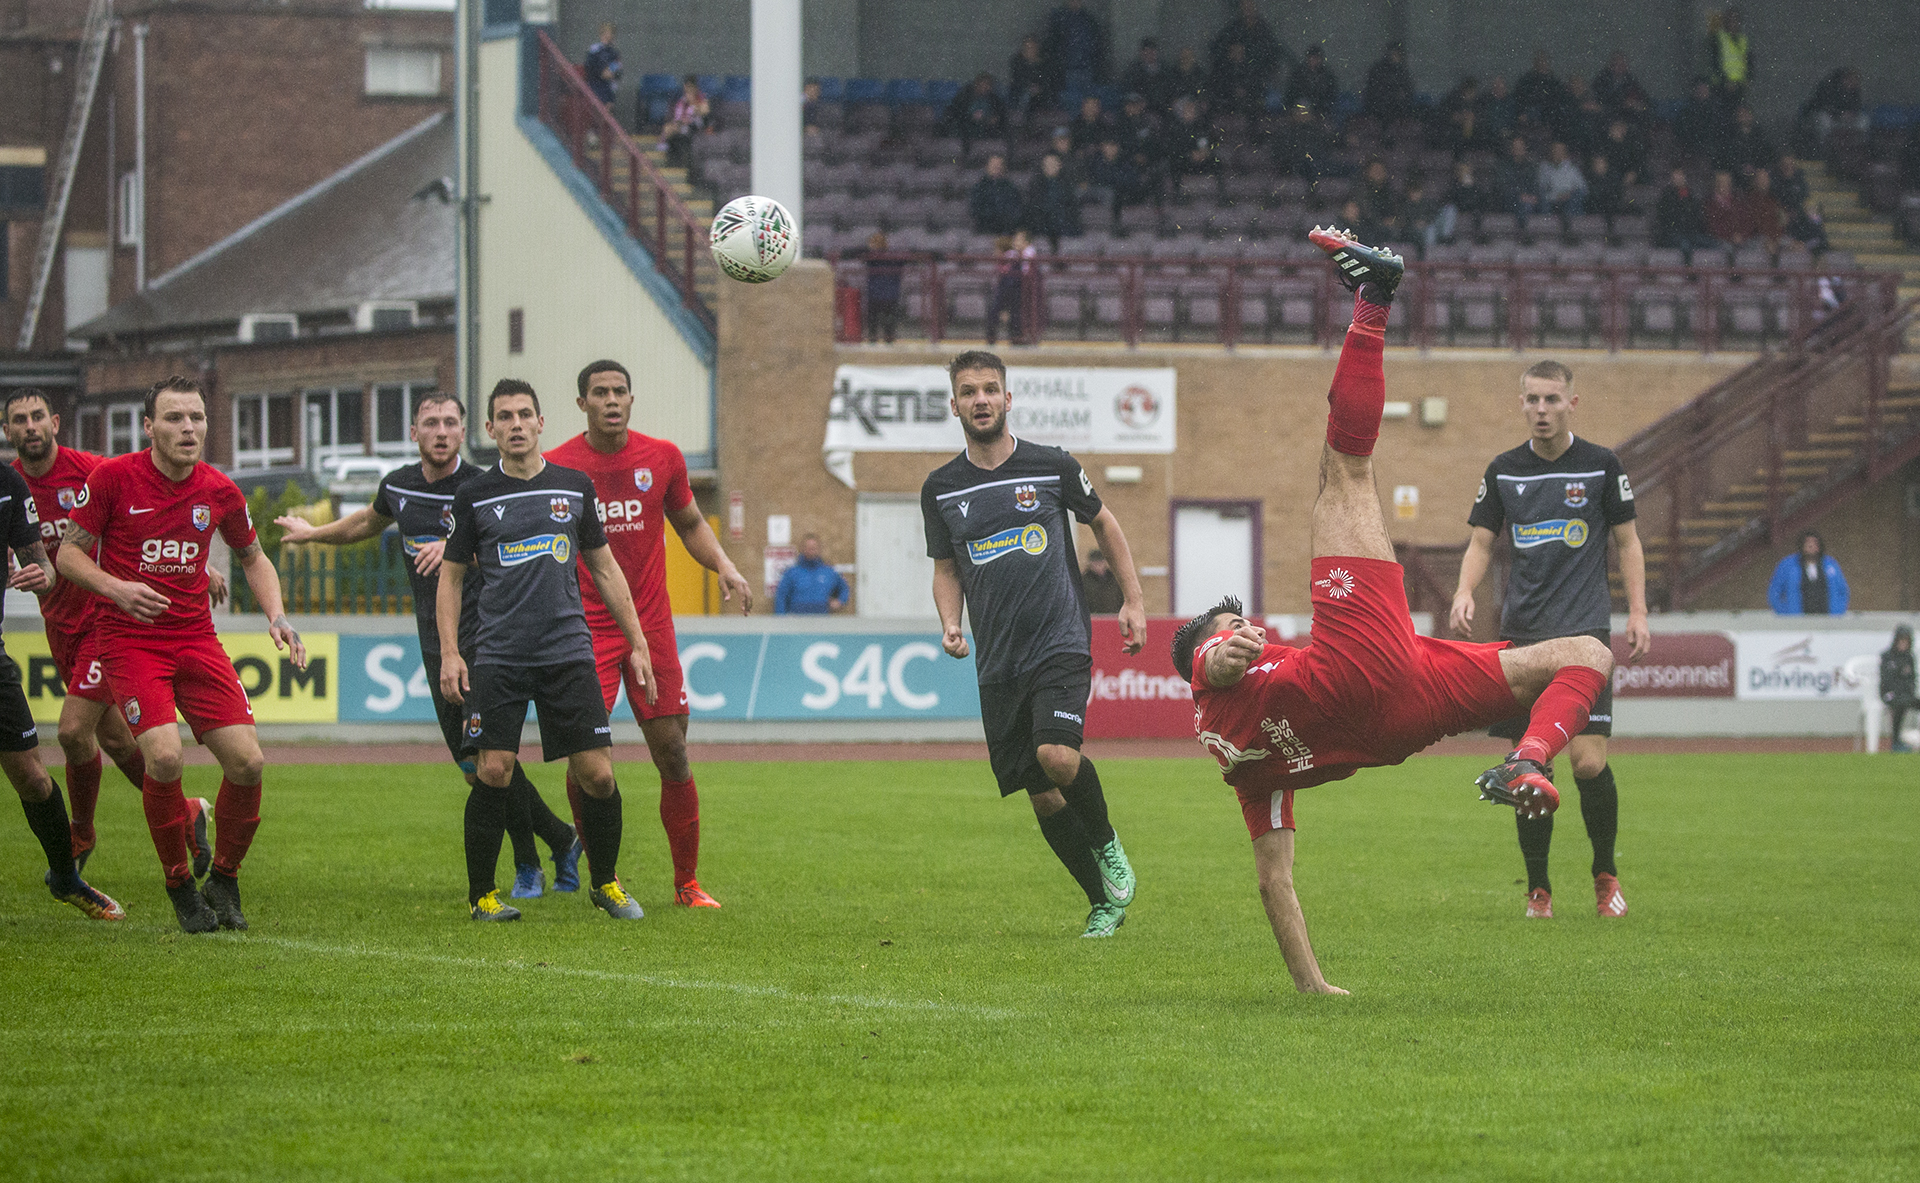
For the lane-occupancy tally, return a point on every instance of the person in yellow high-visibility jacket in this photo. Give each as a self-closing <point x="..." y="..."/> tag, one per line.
<point x="1729" y="56"/>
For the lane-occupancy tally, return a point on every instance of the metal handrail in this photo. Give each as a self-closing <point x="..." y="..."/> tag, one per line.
<point x="652" y="211"/>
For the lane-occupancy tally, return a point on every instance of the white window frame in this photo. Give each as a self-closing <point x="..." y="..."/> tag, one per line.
<point x="363" y="315"/>
<point x="403" y="71"/>
<point x="317" y="453"/>
<point x="251" y="323"/>
<point x="124" y="428"/>
<point x="410" y="395"/>
<point x="127" y="229"/>
<point x="266" y="455"/>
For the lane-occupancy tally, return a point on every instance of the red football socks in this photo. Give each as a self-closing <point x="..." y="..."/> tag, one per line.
<point x="83" y="792"/>
<point x="1359" y="393"/>
<point x="166" y="810"/>
<point x="236" y="815"/>
<point x="680" y="817"/>
<point x="134" y="768"/>
<point x="1559" y="713"/>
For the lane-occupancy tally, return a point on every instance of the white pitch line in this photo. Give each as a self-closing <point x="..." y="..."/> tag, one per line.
<point x="775" y="992"/>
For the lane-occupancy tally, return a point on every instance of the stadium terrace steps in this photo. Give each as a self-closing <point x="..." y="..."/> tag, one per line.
<point x="1867" y="236"/>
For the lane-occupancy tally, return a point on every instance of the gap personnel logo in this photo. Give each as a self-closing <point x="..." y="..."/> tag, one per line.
<point x="1026" y="498"/>
<point x="1136" y="407"/>
<point x="1571" y="531"/>
<point x="1029" y="539"/>
<point x="446" y="520"/>
<point x="1576" y="494"/>
<point x="202" y="516"/>
<point x="68" y="498"/>
<point x="473" y="726"/>
<point x="560" y="509"/>
<point x="1338" y="584"/>
<point x="643" y="479"/>
<point x="132" y="711"/>
<point x="512" y="554"/>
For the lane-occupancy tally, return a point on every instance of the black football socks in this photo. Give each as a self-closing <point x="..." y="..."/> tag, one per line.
<point x="488" y="809"/>
<point x="1600" y="809"/>
<point x="600" y="817"/>
<point x="1071" y="843"/>
<point x="48" y="821"/>
<point x="1085" y="798"/>
<point x="1536" y="838"/>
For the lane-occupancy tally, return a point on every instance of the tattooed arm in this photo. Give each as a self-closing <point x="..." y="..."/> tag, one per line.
<point x="35" y="573"/>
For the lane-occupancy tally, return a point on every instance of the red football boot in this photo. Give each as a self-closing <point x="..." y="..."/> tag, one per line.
<point x="1606" y="896"/>
<point x="1522" y="784"/>
<point x="1539" y="904"/>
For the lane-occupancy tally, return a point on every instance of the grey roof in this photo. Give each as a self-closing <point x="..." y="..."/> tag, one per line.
<point x="361" y="234"/>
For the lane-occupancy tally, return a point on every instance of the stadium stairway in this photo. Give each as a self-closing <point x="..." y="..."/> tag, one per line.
<point x="1869" y="237"/>
<point x="698" y="202"/>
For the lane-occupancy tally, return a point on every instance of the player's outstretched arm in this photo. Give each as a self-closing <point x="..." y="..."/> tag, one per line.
<point x="1133" y="608"/>
<point x="619" y="600"/>
<point x="1633" y="573"/>
<point x="1273" y="857"/>
<point x="75" y="562"/>
<point x="35" y="573"/>
<point x="264" y="581"/>
<point x="948" y="599"/>
<point x="1473" y="568"/>
<point x="446" y="611"/>
<point x="706" y="550"/>
<point x="357" y="526"/>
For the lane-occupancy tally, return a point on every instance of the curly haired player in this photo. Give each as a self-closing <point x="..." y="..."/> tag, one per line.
<point x="1367" y="690"/>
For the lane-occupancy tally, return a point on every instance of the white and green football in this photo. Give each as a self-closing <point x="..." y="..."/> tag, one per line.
<point x="754" y="239"/>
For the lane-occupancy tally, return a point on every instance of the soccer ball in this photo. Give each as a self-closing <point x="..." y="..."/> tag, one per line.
<point x="754" y="239"/>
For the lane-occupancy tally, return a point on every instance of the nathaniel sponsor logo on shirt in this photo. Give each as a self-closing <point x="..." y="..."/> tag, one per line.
<point x="525" y="550"/>
<point x="1571" y="531"/>
<point x="169" y="556"/>
<point x="1020" y="539"/>
<point x="412" y="544"/>
<point x="621" y="517"/>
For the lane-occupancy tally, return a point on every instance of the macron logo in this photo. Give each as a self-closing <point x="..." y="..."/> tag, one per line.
<point x="499" y="512"/>
<point x="963" y="508"/>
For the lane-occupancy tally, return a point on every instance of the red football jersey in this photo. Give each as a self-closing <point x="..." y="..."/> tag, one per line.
<point x="1266" y="731"/>
<point x="637" y="487"/>
<point x="68" y="608"/>
<point x="156" y="531"/>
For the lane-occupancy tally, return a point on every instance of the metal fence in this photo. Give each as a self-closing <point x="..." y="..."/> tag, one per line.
<point x="368" y="577"/>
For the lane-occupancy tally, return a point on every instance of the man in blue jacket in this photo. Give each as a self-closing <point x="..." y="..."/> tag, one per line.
<point x="811" y="586"/>
<point x="1808" y="583"/>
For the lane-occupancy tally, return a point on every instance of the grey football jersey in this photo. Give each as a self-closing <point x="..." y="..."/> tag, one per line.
<point x="1009" y="531"/>
<point x="1557" y="513"/>
<point x="526" y="537"/>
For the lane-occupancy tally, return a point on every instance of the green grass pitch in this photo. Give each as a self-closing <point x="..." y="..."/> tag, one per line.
<point x="895" y="989"/>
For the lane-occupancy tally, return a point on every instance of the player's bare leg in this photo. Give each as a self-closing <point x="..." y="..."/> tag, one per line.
<point x="46" y="812"/>
<point x="679" y="806"/>
<point x="236" y="816"/>
<point x="1557" y="682"/>
<point x="1273" y="859"/>
<point x="86" y="728"/>
<point x="600" y="822"/>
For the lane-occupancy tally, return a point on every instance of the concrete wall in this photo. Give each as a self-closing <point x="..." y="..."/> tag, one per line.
<point x="1795" y="44"/>
<point x="1250" y="427"/>
<point x="543" y="253"/>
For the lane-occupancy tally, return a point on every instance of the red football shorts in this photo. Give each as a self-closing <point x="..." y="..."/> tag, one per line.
<point x="82" y="669"/>
<point x="610" y="653"/>
<point x="1266" y="809"/>
<point x="152" y="676"/>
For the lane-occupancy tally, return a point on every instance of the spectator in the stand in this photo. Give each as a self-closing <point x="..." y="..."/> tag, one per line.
<point x="1076" y="46"/>
<point x="1498" y="113"/>
<point x="1582" y="122"/>
<point x="602" y="67"/>
<point x="1700" y="124"/>
<point x="1135" y="124"/>
<point x="1090" y="127"/>
<point x="1466" y="198"/>
<point x="884" y="279"/>
<point x="1355" y="217"/>
<point x="976" y="113"/>
<point x="1626" y="152"/>
<point x="1378" y="196"/>
<point x="811" y="587"/>
<point x="1457" y="121"/>
<point x="1562" y="186"/>
<point x="1232" y="88"/>
<point x="1897" y="683"/>
<point x="690" y="114"/>
<point x="1188" y="77"/>
<point x="1606" y="194"/>
<point x="1148" y="77"/>
<point x="1615" y="85"/>
<point x="1301" y="144"/>
<point x="1762" y="213"/>
<point x="1190" y="147"/>
<point x="995" y="203"/>
<point x="1802" y="221"/>
<point x="1053" y="208"/>
<point x="1072" y="168"/>
<point x="1729" y="57"/>
<point x="1835" y="102"/>
<point x="810" y="112"/>
<point x="1518" y="180"/>
<point x="1261" y="54"/>
<point x="1101" y="586"/>
<point x="1030" y="84"/>
<point x="1746" y="149"/>
<point x="1117" y="180"/>
<point x="1419" y="215"/>
<point x="1539" y="95"/>
<point x="1313" y="83"/>
<point x="1808" y="583"/>
<point x="1726" y="213"/>
<point x="1389" y="91"/>
<point x="1010" y="282"/>
<point x="1680" y="218"/>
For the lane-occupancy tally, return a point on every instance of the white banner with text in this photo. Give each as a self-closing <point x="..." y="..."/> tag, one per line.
<point x="1091" y="409"/>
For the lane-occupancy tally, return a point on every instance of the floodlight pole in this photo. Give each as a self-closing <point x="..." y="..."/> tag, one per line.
<point x="466" y="138"/>
<point x="777" y="37"/>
